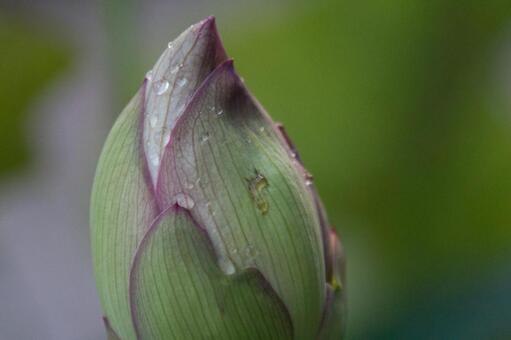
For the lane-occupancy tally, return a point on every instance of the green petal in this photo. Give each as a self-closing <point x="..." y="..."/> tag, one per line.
<point x="178" y="291"/>
<point x="122" y="208"/>
<point x="249" y="193"/>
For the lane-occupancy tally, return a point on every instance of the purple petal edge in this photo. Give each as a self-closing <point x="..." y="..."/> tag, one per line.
<point x="111" y="335"/>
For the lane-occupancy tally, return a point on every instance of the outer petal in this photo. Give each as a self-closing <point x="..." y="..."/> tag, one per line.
<point x="122" y="208"/>
<point x="178" y="291"/>
<point x="228" y="164"/>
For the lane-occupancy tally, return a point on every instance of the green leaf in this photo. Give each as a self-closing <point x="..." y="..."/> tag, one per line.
<point x="249" y="193"/>
<point x="122" y="208"/>
<point x="179" y="292"/>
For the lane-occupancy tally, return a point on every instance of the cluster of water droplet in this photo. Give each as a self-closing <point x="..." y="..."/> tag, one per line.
<point x="184" y="201"/>
<point x="158" y="120"/>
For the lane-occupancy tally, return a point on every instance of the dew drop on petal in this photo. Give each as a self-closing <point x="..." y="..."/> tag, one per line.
<point x="227" y="267"/>
<point x="308" y="178"/>
<point x="184" y="201"/>
<point x="149" y="75"/>
<point x="155" y="160"/>
<point x="204" y="138"/>
<point x="182" y="82"/>
<point x="171" y="45"/>
<point x="161" y="87"/>
<point x="174" y="69"/>
<point x="219" y="113"/>
<point x="153" y="121"/>
<point x="261" y="129"/>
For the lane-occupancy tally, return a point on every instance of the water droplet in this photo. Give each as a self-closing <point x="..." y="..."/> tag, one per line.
<point x="174" y="69"/>
<point x="182" y="82"/>
<point x="219" y="113"/>
<point x="204" y="138"/>
<point x="171" y="45"/>
<point x="149" y="75"/>
<point x="184" y="201"/>
<point x="227" y="267"/>
<point x="153" y="121"/>
<point x="308" y="178"/>
<point x="261" y="129"/>
<point x="155" y="160"/>
<point x="292" y="154"/>
<point x="161" y="87"/>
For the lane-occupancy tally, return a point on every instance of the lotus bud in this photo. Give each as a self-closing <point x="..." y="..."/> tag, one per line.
<point x="204" y="222"/>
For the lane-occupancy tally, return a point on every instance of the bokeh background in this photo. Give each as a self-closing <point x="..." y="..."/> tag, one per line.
<point x="401" y="110"/>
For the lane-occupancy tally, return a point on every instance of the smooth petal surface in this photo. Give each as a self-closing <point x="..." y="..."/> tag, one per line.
<point x="229" y="166"/>
<point x="122" y="208"/>
<point x="179" y="292"/>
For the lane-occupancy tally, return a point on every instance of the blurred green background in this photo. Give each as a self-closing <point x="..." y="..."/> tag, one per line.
<point x="400" y="109"/>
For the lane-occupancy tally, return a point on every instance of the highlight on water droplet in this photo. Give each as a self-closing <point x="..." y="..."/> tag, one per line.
<point x="309" y="179"/>
<point x="182" y="82"/>
<point x="227" y="267"/>
<point x="174" y="69"/>
<point x="153" y="121"/>
<point x="219" y="113"/>
<point x="184" y="201"/>
<point x="155" y="160"/>
<point x="204" y="138"/>
<point x="161" y="87"/>
<point x="261" y="129"/>
<point x="149" y="75"/>
<point x="171" y="45"/>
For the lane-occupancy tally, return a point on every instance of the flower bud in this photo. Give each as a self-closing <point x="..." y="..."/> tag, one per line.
<point x="204" y="222"/>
